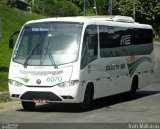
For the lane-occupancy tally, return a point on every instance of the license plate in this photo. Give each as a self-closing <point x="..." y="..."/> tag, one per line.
<point x="40" y="100"/>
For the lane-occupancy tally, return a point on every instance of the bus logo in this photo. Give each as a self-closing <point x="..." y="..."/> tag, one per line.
<point x="38" y="81"/>
<point x="125" y="40"/>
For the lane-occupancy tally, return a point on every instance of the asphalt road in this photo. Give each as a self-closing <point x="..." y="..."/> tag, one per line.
<point x="116" y="109"/>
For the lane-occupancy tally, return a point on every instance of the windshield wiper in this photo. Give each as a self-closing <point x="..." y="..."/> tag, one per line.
<point x="51" y="58"/>
<point x="48" y="51"/>
<point x="30" y="55"/>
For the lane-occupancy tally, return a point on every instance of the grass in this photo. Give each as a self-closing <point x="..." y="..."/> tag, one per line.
<point x="5" y="97"/>
<point x="157" y="40"/>
<point x="12" y="20"/>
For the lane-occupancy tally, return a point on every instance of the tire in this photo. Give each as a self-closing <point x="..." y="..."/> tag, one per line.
<point x="88" y="99"/>
<point x="28" y="106"/>
<point x="134" y="87"/>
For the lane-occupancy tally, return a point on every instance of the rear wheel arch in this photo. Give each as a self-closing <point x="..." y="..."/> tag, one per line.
<point x="134" y="87"/>
<point x="135" y="80"/>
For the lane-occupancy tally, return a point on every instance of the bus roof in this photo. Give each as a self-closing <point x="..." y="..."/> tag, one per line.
<point x="121" y="21"/>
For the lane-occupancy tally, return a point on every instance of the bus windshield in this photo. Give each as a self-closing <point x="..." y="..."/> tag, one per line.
<point x="48" y="44"/>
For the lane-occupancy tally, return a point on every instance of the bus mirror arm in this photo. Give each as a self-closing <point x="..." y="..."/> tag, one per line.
<point x="11" y="41"/>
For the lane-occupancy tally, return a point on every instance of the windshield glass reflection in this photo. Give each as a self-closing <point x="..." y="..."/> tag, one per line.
<point x="48" y="44"/>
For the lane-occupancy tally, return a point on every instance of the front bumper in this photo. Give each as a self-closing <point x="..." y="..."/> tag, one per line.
<point x="50" y="94"/>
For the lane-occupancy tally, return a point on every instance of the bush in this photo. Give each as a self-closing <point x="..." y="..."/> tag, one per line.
<point x="66" y="8"/>
<point x="3" y="2"/>
<point x="56" y="8"/>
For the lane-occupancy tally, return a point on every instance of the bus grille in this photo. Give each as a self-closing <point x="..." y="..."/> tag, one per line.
<point x="30" y="95"/>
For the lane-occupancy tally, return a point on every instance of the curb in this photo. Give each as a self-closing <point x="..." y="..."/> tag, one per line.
<point x="4" y="96"/>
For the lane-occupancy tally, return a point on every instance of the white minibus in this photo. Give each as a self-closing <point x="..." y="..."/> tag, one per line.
<point x="80" y="59"/>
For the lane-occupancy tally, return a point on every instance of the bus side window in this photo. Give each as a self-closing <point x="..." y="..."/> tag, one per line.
<point x="90" y="46"/>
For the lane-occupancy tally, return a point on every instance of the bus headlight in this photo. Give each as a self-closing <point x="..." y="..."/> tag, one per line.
<point x="67" y="84"/>
<point x="14" y="83"/>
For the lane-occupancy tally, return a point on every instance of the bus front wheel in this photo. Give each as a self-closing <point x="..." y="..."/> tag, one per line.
<point x="28" y="106"/>
<point x="88" y="98"/>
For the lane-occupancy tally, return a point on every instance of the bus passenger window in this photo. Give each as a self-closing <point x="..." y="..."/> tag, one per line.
<point x="90" y="46"/>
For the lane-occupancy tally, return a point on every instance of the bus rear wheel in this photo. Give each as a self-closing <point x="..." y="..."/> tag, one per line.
<point x="134" y="87"/>
<point x="28" y="106"/>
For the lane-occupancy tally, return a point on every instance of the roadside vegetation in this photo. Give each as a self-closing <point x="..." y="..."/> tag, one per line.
<point x="157" y="40"/>
<point x="12" y="20"/>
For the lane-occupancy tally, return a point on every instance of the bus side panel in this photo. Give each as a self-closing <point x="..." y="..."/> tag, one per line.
<point x="145" y="71"/>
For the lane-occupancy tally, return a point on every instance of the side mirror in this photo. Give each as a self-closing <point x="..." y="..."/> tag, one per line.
<point x="11" y="43"/>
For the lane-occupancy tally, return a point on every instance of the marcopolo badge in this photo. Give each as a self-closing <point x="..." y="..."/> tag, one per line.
<point x="38" y="81"/>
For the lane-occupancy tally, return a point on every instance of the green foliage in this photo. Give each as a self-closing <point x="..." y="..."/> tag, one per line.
<point x="65" y="8"/>
<point x="126" y="7"/>
<point x="102" y="6"/>
<point x="56" y="8"/>
<point x="150" y="13"/>
<point x="147" y="11"/>
<point x="157" y="40"/>
<point x="12" y="20"/>
<point x="38" y="7"/>
<point x="3" y="2"/>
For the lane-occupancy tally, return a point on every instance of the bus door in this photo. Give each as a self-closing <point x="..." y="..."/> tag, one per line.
<point x="89" y="61"/>
<point x="93" y="68"/>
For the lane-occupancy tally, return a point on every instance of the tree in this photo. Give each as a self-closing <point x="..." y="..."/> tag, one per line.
<point x="56" y="8"/>
<point x="147" y="11"/>
<point x="66" y="8"/>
